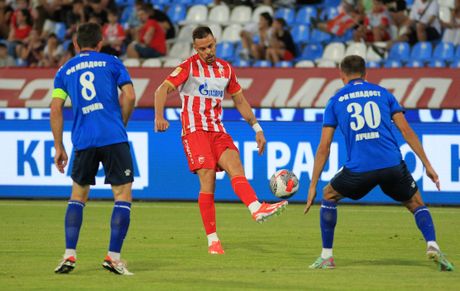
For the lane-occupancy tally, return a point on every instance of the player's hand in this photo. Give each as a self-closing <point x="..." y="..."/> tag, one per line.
<point x="261" y="142"/>
<point x="60" y="159"/>
<point x="310" y="199"/>
<point x="161" y="124"/>
<point x="431" y="173"/>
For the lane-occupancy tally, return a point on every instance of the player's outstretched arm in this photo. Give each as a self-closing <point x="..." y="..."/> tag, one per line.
<point x="245" y="110"/>
<point x="161" y="93"/>
<point x="322" y="154"/>
<point x="128" y="98"/>
<point x="412" y="139"/>
<point x="57" y="125"/>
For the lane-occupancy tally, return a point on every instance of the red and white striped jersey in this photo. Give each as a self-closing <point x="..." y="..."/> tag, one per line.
<point x="202" y="88"/>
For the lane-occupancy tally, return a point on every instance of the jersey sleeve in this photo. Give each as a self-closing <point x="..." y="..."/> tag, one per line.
<point x="330" y="119"/>
<point x="233" y="86"/>
<point x="59" y="90"/>
<point x="394" y="105"/>
<point x="122" y="76"/>
<point x="179" y="75"/>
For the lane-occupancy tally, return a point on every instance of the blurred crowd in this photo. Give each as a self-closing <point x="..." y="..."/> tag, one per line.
<point x="38" y="33"/>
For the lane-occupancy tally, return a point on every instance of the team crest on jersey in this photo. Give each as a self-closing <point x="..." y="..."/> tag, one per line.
<point x="201" y="160"/>
<point x="176" y="72"/>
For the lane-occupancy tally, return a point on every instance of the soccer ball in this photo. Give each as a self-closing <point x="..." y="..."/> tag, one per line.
<point x="284" y="184"/>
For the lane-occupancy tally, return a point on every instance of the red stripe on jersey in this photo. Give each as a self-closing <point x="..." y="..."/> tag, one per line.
<point x="185" y="119"/>
<point x="195" y="69"/>
<point x="217" y="115"/>
<point x="216" y="71"/>
<point x="207" y="113"/>
<point x="206" y="70"/>
<point x="226" y="70"/>
<point x="196" y="113"/>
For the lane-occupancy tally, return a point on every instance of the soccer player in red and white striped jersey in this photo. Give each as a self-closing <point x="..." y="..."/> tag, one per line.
<point x="202" y="81"/>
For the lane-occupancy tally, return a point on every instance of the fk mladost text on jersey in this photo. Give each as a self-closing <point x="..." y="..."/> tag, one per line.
<point x="87" y="82"/>
<point x="357" y="112"/>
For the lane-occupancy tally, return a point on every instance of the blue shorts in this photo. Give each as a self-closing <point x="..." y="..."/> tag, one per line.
<point x="396" y="182"/>
<point x="116" y="160"/>
<point x="146" y="52"/>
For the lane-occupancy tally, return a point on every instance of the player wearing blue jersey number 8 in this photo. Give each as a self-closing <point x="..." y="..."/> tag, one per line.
<point x="364" y="112"/>
<point x="91" y="80"/>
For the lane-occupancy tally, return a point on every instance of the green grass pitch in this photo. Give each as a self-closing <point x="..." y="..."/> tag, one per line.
<point x="376" y="248"/>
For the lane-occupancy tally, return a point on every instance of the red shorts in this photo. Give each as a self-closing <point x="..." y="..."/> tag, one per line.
<point x="288" y="56"/>
<point x="204" y="148"/>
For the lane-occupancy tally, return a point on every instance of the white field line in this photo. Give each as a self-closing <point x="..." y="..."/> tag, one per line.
<point x="193" y="205"/>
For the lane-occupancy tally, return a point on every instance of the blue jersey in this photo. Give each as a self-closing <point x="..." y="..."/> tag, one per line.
<point x="91" y="80"/>
<point x="363" y="112"/>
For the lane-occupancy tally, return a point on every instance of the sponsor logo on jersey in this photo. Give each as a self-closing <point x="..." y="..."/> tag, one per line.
<point x="203" y="89"/>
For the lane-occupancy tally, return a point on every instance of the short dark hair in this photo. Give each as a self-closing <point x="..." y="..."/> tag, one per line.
<point x="89" y="35"/>
<point x="267" y="17"/>
<point x="201" y="32"/>
<point x="352" y="65"/>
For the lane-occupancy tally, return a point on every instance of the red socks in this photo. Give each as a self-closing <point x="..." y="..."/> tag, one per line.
<point x="208" y="212"/>
<point x="244" y="191"/>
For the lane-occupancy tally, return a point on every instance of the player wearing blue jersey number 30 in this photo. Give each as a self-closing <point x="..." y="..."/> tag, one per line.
<point x="91" y="80"/>
<point x="364" y="112"/>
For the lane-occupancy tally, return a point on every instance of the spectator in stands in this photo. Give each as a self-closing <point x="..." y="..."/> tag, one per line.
<point x="31" y="51"/>
<point x="74" y="17"/>
<point x="68" y="54"/>
<point x="376" y="26"/>
<point x="5" y="15"/>
<point x="398" y="15"/>
<point x="282" y="47"/>
<point x="113" y="35"/>
<point x="19" y="31"/>
<point x="263" y="31"/>
<point x="424" y="24"/>
<point x="351" y="14"/>
<point x="162" y="19"/>
<point x="150" y="40"/>
<point x="96" y="9"/>
<point x="452" y="31"/>
<point x="5" y="59"/>
<point x="53" y="52"/>
<point x="133" y="20"/>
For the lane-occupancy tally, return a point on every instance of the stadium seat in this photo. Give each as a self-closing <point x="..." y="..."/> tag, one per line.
<point x="455" y="64"/>
<point x="372" y="55"/>
<point x="457" y="52"/>
<point x="132" y="63"/>
<point x="305" y="64"/>
<point x="445" y="14"/>
<point x="415" y="64"/>
<point x="239" y="63"/>
<point x="288" y="14"/>
<point x="326" y="64"/>
<point x="400" y="52"/>
<point x="172" y="62"/>
<point x="219" y="14"/>
<point x="203" y="2"/>
<point x="241" y="14"/>
<point x="232" y="33"/>
<point x="392" y="64"/>
<point x="259" y="10"/>
<point x="444" y="51"/>
<point x="421" y="51"/>
<point x="152" y="63"/>
<point x="329" y="12"/>
<point x="184" y="2"/>
<point x="437" y="64"/>
<point x="177" y="13"/>
<point x="161" y="2"/>
<point x="300" y="33"/>
<point x="60" y="30"/>
<point x="123" y="3"/>
<point x="356" y="48"/>
<point x="225" y="50"/>
<point x="335" y="51"/>
<point x="196" y="14"/>
<point x="180" y="50"/>
<point x="318" y="36"/>
<point x="305" y="13"/>
<point x="284" y="64"/>
<point x="216" y="30"/>
<point x="262" y="64"/>
<point x="373" y="64"/>
<point x="331" y="3"/>
<point x="447" y="3"/>
<point x="312" y="52"/>
<point x="185" y="33"/>
<point x="126" y="13"/>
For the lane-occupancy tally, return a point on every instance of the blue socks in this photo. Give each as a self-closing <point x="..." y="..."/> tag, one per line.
<point x="119" y="225"/>
<point x="73" y="220"/>
<point x="328" y="220"/>
<point x="425" y="223"/>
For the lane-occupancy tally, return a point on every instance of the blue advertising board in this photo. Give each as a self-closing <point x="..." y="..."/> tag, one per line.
<point x="161" y="171"/>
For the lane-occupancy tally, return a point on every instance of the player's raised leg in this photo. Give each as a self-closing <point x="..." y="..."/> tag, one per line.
<point x="121" y="217"/>
<point x="328" y="220"/>
<point x="425" y="224"/>
<point x="230" y="161"/>
<point x="207" y="209"/>
<point x="73" y="221"/>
